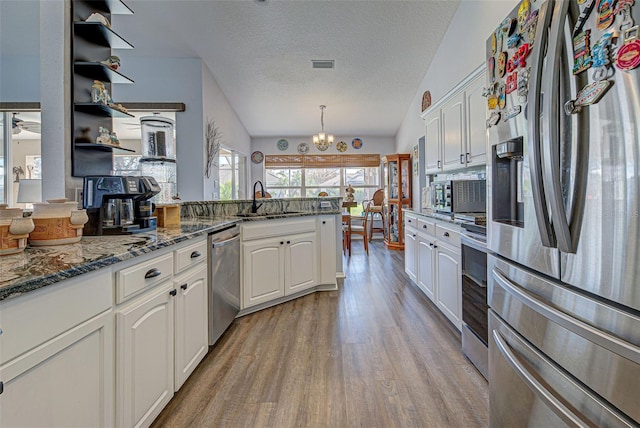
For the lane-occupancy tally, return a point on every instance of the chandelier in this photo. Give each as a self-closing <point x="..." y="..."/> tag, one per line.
<point x="322" y="140"/>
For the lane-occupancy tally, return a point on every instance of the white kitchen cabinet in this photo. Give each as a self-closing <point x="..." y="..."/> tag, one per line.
<point x="426" y="266"/>
<point x="455" y="127"/>
<point x="327" y="245"/>
<point x="433" y="142"/>
<point x="56" y="349"/>
<point x="263" y="276"/>
<point x="191" y="321"/>
<point x="449" y="284"/>
<point x="454" y="139"/>
<point x="145" y="356"/>
<point x="410" y="245"/>
<point x="279" y="266"/>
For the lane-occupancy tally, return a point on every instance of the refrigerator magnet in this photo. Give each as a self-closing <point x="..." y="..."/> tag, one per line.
<point x="584" y="14"/>
<point x="502" y="97"/>
<point x="502" y="64"/>
<point x="523" y="13"/>
<point x="628" y="56"/>
<point x="512" y="112"/>
<point x="523" y="84"/>
<point x="491" y="68"/>
<point x="531" y="25"/>
<point x="588" y="95"/>
<point x="605" y="14"/>
<point x="494" y="44"/>
<point x="512" y="82"/>
<point x="581" y="52"/>
<point x="600" y="58"/>
<point x="493" y="119"/>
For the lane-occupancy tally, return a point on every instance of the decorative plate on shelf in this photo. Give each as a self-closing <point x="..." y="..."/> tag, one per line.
<point x="356" y="143"/>
<point x="426" y="100"/>
<point x="257" y="157"/>
<point x="283" y="144"/>
<point x="303" y="148"/>
<point x="341" y="146"/>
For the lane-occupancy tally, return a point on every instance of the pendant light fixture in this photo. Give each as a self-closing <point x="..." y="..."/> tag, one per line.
<point x="322" y="140"/>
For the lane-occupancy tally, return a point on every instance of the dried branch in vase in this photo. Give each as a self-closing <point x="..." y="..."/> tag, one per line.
<point x="213" y="137"/>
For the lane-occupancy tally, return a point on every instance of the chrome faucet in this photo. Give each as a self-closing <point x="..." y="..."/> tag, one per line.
<point x="254" y="207"/>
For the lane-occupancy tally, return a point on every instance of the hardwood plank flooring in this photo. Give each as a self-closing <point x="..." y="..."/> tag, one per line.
<point x="376" y="353"/>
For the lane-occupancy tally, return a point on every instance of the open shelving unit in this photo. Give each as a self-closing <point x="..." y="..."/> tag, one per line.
<point x="93" y="42"/>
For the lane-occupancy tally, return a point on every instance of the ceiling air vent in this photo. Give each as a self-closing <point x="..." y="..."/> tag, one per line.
<point x="323" y="63"/>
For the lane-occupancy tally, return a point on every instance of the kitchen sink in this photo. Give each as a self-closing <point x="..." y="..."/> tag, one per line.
<point x="271" y="214"/>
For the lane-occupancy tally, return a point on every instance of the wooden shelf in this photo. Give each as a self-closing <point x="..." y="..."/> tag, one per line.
<point x="114" y="7"/>
<point x="97" y="33"/>
<point x="99" y="110"/>
<point x="103" y="147"/>
<point x="98" y="71"/>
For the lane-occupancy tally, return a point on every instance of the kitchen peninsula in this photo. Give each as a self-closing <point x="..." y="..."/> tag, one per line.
<point x="116" y="324"/>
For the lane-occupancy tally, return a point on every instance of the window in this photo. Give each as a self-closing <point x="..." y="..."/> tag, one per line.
<point x="294" y="176"/>
<point x="231" y="174"/>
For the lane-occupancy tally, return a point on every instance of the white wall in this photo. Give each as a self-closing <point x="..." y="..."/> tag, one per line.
<point x="234" y="135"/>
<point x="172" y="80"/>
<point x="269" y="146"/>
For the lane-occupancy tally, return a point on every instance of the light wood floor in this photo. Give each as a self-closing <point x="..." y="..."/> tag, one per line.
<point x="376" y="353"/>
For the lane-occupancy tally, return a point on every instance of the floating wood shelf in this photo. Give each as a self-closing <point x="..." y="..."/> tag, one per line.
<point x="103" y="147"/>
<point x="100" y="110"/>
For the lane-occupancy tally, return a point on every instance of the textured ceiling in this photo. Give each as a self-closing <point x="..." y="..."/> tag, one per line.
<point x="260" y="54"/>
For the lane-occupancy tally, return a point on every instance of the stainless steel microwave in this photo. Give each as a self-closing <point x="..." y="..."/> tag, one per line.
<point x="459" y="196"/>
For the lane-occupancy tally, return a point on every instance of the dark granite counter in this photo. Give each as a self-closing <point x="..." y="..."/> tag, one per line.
<point x="448" y="218"/>
<point x="38" y="267"/>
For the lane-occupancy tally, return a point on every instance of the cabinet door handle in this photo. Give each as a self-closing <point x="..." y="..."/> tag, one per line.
<point x="439" y="164"/>
<point x="281" y="242"/>
<point x="184" y="286"/>
<point x="324" y="222"/>
<point x="446" y="234"/>
<point x="435" y="246"/>
<point x="468" y="156"/>
<point x="1" y="387"/>
<point x="195" y="254"/>
<point x="288" y="242"/>
<point x="173" y="292"/>
<point x="462" y="158"/>
<point x="414" y="235"/>
<point x="409" y="221"/>
<point x="152" y="273"/>
<point x="424" y="226"/>
<point x="431" y="244"/>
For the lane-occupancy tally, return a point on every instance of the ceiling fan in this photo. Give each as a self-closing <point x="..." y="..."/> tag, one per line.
<point x="18" y="125"/>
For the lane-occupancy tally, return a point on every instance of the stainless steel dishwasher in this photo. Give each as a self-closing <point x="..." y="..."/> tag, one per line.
<point x="224" y="280"/>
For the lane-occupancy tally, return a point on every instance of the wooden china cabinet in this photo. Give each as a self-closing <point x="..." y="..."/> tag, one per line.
<point x="397" y="195"/>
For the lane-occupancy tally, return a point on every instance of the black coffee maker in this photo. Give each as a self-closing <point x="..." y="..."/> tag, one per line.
<point x="119" y="205"/>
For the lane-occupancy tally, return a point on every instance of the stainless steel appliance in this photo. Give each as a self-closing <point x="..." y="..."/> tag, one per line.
<point x="459" y="196"/>
<point x="224" y="280"/>
<point x="118" y="205"/>
<point x="563" y="216"/>
<point x="473" y="242"/>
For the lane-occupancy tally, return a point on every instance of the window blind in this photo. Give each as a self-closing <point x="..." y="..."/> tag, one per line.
<point x="322" y="161"/>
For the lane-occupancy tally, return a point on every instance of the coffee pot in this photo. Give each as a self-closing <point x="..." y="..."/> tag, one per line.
<point x="118" y="205"/>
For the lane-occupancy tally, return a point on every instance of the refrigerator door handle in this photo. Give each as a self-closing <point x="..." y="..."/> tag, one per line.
<point x="550" y="120"/>
<point x="533" y="128"/>
<point x="570" y="418"/>
<point x="578" y="327"/>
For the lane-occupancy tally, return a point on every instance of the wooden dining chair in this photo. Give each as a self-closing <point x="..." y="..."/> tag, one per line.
<point x="346" y="234"/>
<point x="372" y="207"/>
<point x="350" y="229"/>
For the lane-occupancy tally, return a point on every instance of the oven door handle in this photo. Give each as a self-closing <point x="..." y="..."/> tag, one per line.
<point x="534" y="385"/>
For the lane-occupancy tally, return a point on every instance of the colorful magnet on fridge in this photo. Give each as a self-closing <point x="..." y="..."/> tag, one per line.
<point x="512" y="82"/>
<point x="492" y="102"/>
<point x="581" y="1"/>
<point x="502" y="64"/>
<point x="512" y="112"/>
<point x="588" y="95"/>
<point x="605" y="14"/>
<point x="491" y="68"/>
<point x="523" y="14"/>
<point x="600" y="57"/>
<point x="581" y="52"/>
<point x="530" y="26"/>
<point x="494" y="44"/>
<point x="584" y="14"/>
<point x="502" y="97"/>
<point x="514" y="41"/>
<point x="523" y="85"/>
<point x="628" y="55"/>
<point x="493" y="119"/>
<point x="623" y="7"/>
<point x="508" y="26"/>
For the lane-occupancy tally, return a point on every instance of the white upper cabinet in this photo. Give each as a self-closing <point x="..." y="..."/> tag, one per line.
<point x="455" y="128"/>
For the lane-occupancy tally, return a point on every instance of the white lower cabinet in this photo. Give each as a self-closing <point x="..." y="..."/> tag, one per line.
<point x="426" y="272"/>
<point x="433" y="263"/>
<point x="145" y="356"/>
<point x="191" y="326"/>
<point x="449" y="284"/>
<point x="327" y="246"/>
<point x="277" y="267"/>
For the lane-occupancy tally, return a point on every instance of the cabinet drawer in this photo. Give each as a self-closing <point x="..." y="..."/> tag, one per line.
<point x="131" y="281"/>
<point x="30" y="320"/>
<point x="277" y="227"/>
<point x="410" y="221"/>
<point x="427" y="227"/>
<point x="190" y="256"/>
<point x="448" y="235"/>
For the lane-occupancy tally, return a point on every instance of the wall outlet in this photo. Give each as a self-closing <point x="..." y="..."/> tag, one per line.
<point x="79" y="195"/>
<point x="325" y="204"/>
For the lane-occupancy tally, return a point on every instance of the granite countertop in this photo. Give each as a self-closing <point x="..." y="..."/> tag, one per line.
<point x="438" y="216"/>
<point x="38" y="267"/>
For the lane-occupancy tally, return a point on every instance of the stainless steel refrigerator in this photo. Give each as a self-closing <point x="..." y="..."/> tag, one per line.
<point x="563" y="99"/>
